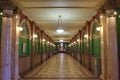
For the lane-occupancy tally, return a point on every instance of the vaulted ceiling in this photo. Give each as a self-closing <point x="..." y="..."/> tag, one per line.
<point x="74" y="14"/>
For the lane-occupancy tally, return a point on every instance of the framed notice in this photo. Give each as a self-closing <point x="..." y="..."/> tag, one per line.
<point x="24" y="47"/>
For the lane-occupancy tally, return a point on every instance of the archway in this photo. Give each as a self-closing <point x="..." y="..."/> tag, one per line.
<point x="36" y="51"/>
<point x="24" y="47"/>
<point x="95" y="48"/>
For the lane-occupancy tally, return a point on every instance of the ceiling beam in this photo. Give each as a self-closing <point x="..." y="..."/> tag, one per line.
<point x="59" y="0"/>
<point x="59" y="7"/>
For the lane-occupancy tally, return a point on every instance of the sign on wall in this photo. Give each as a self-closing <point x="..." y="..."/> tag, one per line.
<point x="24" y="47"/>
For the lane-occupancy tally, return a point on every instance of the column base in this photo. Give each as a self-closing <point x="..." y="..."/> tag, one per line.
<point x="103" y="77"/>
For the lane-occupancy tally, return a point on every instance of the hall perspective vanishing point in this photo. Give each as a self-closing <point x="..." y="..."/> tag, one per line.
<point x="59" y="40"/>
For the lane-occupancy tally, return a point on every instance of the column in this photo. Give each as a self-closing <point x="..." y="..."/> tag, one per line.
<point x="14" y="48"/>
<point x="33" y="39"/>
<point x="41" y="41"/>
<point x="0" y="40"/>
<point x="6" y="46"/>
<point x="112" y="47"/>
<point x="104" y="62"/>
<point x="109" y="57"/>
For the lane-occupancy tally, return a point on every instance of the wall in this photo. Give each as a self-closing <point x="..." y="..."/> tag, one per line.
<point x="25" y="45"/>
<point x="32" y="50"/>
<point x="118" y="37"/>
<point x="88" y="49"/>
<point x="65" y="46"/>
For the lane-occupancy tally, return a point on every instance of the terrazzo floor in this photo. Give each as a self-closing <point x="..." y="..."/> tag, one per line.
<point x="60" y="67"/>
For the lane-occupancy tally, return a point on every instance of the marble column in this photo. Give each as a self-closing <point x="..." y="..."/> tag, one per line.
<point x="42" y="46"/>
<point x="14" y="48"/>
<point x="6" y="46"/>
<point x="9" y="47"/>
<point x="33" y="39"/>
<point x="112" y="49"/>
<point x="109" y="56"/>
<point x="103" y="35"/>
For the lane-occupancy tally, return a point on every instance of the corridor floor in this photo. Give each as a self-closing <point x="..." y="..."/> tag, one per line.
<point x="60" y="67"/>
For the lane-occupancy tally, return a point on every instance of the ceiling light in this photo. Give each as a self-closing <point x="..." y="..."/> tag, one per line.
<point x="115" y="13"/>
<point x="86" y="36"/>
<point x="35" y="36"/>
<point x="59" y="25"/>
<point x="78" y="40"/>
<point x="119" y="16"/>
<point x="61" y="40"/>
<point x="48" y="42"/>
<point x="59" y="30"/>
<point x="17" y="16"/>
<point x="98" y="28"/>
<point x="43" y="40"/>
<point x="20" y="28"/>
<point x="74" y="42"/>
<point x="101" y="16"/>
<point x="1" y="13"/>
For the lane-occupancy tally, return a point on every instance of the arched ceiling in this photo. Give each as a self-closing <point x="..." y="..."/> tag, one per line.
<point x="74" y="14"/>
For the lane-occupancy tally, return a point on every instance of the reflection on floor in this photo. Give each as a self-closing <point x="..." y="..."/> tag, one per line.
<point x="60" y="67"/>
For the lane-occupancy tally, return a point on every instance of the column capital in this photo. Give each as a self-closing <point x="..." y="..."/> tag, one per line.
<point x="7" y="13"/>
<point x="108" y="5"/>
<point x="7" y="5"/>
<point x="9" y="8"/>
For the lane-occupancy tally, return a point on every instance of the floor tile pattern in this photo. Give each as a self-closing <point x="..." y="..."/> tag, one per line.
<point x="60" y="67"/>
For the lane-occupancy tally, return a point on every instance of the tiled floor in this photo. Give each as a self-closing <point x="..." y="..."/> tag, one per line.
<point x="60" y="67"/>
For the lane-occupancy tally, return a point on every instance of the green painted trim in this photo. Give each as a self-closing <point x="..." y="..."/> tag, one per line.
<point x="28" y="48"/>
<point x="118" y="31"/>
<point x="96" y="47"/>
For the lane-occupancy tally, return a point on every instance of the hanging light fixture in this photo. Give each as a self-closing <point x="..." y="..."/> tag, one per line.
<point x="59" y="25"/>
<point x="61" y="40"/>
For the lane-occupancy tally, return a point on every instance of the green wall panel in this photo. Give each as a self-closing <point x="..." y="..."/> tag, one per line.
<point x="30" y="46"/>
<point x="91" y="47"/>
<point x="82" y="47"/>
<point x="96" y="47"/>
<point x="85" y="47"/>
<point x="41" y="47"/>
<point x="27" y="49"/>
<point x="37" y="47"/>
<point x="44" y="47"/>
<point x="118" y="31"/>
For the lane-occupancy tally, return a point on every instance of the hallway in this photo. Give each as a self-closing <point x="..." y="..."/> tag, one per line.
<point x="59" y="40"/>
<point x="60" y="67"/>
